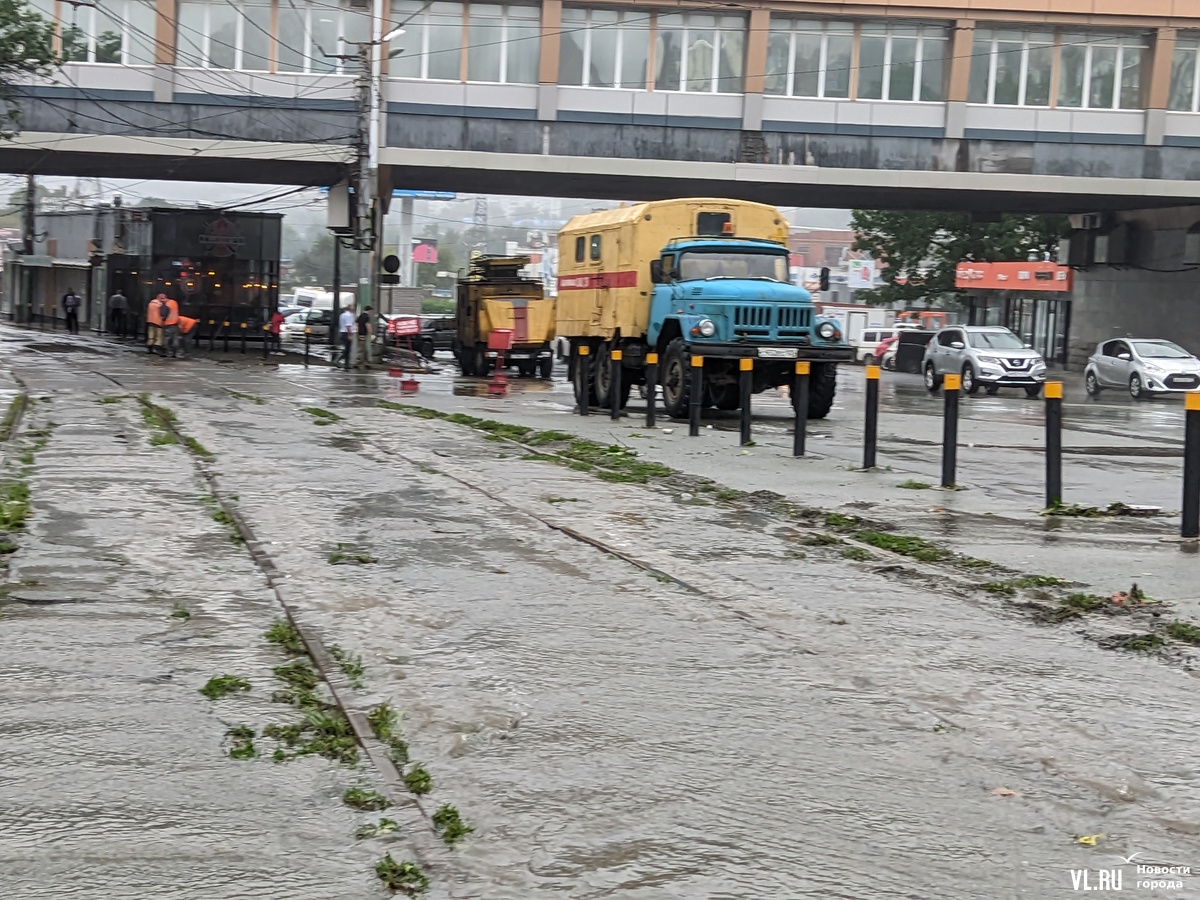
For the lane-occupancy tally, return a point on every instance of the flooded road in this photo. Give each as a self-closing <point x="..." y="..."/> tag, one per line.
<point x="629" y="690"/>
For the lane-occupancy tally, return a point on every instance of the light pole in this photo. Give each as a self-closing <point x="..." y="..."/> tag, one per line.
<point x="366" y="178"/>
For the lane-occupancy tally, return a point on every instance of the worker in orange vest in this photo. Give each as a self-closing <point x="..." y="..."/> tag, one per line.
<point x="185" y="328"/>
<point x="157" y="312"/>
<point x="171" y="327"/>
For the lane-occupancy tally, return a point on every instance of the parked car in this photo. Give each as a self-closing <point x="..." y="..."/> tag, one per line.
<point x="880" y="355"/>
<point x="437" y="333"/>
<point x="986" y="357"/>
<point x="1143" y="366"/>
<point x="318" y="320"/>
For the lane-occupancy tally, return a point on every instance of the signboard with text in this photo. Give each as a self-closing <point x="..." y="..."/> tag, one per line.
<point x="1014" y="276"/>
<point x="403" y="325"/>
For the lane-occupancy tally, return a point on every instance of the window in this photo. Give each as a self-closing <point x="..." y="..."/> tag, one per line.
<point x="1101" y="71"/>
<point x="604" y="48"/>
<point x="1185" y="76"/>
<point x="1115" y="348"/>
<point x="902" y="62"/>
<point x="216" y="34"/>
<point x="698" y="266"/>
<point x="809" y="59"/>
<point x="502" y="43"/>
<point x="432" y="41"/>
<point x="712" y="223"/>
<point x="1012" y="68"/>
<point x="995" y="340"/>
<point x="701" y="53"/>
<point x="948" y="336"/>
<point x="580" y="248"/>
<point x="121" y="32"/>
<point x="595" y="247"/>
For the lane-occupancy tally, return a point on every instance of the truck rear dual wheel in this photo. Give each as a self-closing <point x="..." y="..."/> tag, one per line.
<point x="578" y="367"/>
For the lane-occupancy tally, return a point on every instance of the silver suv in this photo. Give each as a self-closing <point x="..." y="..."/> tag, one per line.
<point x="990" y="358"/>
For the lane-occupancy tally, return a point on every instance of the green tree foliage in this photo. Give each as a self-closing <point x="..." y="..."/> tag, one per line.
<point x="25" y="49"/>
<point x="919" y="251"/>
<point x="315" y="265"/>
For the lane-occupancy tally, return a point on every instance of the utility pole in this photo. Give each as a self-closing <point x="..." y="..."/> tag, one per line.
<point x="29" y="225"/>
<point x="366" y="168"/>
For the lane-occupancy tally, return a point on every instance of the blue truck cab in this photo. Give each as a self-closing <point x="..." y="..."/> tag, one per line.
<point x="728" y="299"/>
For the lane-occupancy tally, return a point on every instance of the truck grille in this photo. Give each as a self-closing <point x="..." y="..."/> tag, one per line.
<point x="752" y="319"/>
<point x="794" y="320"/>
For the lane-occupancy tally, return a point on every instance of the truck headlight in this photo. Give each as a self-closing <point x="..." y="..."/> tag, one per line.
<point x="827" y="331"/>
<point x="707" y="328"/>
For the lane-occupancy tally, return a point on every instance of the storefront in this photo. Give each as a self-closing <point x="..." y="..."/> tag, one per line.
<point x="1031" y="299"/>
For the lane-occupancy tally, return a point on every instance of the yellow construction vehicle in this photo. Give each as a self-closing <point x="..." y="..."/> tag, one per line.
<point x="493" y="298"/>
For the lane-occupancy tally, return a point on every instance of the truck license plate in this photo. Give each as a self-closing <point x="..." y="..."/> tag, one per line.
<point x="776" y="352"/>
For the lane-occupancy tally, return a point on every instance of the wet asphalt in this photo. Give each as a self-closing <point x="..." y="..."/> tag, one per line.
<point x="776" y="722"/>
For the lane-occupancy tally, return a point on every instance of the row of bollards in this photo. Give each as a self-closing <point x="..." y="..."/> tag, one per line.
<point x="952" y="389"/>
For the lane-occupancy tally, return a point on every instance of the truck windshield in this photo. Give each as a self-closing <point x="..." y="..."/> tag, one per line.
<point x="698" y="266"/>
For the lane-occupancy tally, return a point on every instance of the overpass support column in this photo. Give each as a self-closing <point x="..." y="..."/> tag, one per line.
<point x="959" y="81"/>
<point x="756" y="70"/>
<point x="166" y="14"/>
<point x="1159" y="88"/>
<point x="547" y="100"/>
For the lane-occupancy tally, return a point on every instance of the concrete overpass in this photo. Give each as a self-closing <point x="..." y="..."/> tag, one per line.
<point x="994" y="108"/>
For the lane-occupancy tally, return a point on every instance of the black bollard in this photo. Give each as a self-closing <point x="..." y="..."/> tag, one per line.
<point x="1191" y="467"/>
<point x="226" y="327"/>
<point x="307" y="338"/>
<point x="614" y="384"/>
<point x="695" y="398"/>
<point x="800" y="404"/>
<point x="585" y="376"/>
<point x="746" y="367"/>
<point x="243" y="339"/>
<point x="266" y="341"/>
<point x="950" y="387"/>
<point x="871" y="426"/>
<point x="212" y="335"/>
<point x="651" y="387"/>
<point x="1054" y="392"/>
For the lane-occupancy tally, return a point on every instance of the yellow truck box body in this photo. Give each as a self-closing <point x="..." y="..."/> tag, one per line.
<point x="604" y="258"/>
<point x="501" y="312"/>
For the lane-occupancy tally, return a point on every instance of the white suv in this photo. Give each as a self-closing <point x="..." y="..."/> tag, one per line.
<point x="990" y="358"/>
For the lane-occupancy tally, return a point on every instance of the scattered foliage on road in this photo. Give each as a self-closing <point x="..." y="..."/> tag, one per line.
<point x="364" y="799"/>
<point x="284" y="634"/>
<point x="352" y="666"/>
<point x="449" y="822"/>
<point x="224" y="685"/>
<point x="418" y="780"/>
<point x="404" y="877"/>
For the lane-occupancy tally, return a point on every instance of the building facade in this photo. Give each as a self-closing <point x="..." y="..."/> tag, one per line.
<point x="993" y="69"/>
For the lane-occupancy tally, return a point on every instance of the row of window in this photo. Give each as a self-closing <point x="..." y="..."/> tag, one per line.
<point x="693" y="52"/>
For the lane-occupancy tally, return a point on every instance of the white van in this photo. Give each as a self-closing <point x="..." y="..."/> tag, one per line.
<point x="870" y="338"/>
<point x="318" y="298"/>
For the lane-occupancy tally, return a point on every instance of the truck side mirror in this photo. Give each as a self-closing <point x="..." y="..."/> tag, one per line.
<point x="656" y="275"/>
<point x="824" y="278"/>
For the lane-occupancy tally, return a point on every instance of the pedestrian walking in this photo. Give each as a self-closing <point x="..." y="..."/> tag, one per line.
<point x="117" y="305"/>
<point x="366" y="330"/>
<point x="156" y="312"/>
<point x="346" y="333"/>
<point x="276" y="327"/>
<point x="71" y="304"/>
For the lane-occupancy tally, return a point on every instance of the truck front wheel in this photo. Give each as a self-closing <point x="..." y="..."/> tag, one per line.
<point x="583" y="364"/>
<point x="822" y="385"/>
<point x="676" y="380"/>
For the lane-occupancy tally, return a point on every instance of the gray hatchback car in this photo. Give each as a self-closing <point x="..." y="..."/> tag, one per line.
<point x="1143" y="366"/>
<point x="987" y="357"/>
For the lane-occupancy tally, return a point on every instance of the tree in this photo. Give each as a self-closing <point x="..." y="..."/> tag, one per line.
<point x="315" y="265"/>
<point x="25" y="49"/>
<point x="919" y="251"/>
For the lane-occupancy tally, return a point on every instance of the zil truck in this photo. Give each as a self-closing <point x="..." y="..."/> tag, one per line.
<point x="494" y="296"/>
<point x="690" y="277"/>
